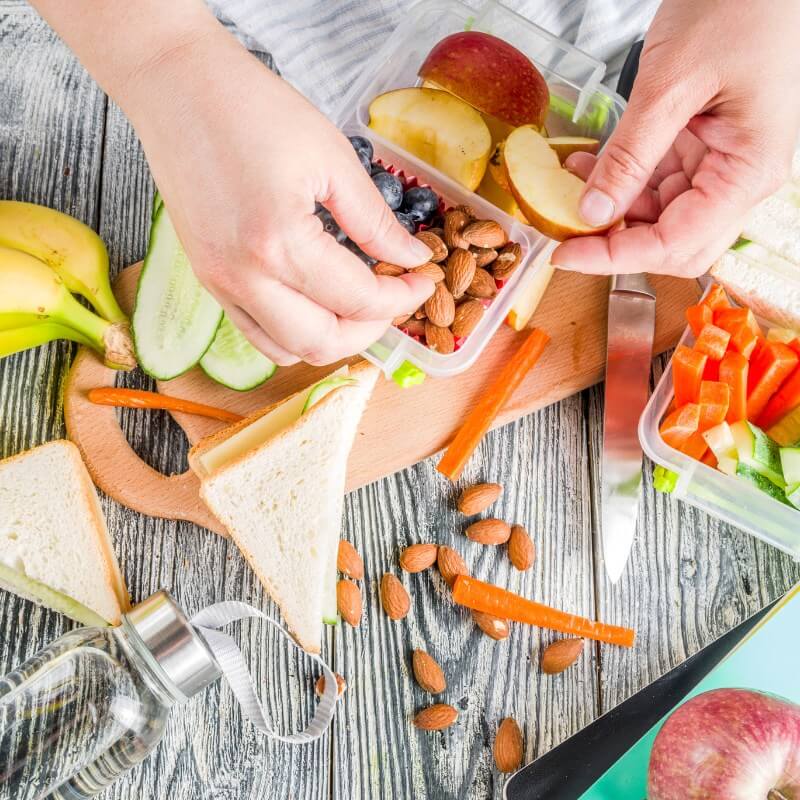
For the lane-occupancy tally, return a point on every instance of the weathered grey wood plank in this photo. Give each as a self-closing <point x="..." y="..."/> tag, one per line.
<point x="690" y="579"/>
<point x="542" y="463"/>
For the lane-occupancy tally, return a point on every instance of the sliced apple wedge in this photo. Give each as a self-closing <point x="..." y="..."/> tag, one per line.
<point x="527" y="299"/>
<point x="497" y="167"/>
<point x="437" y="127"/>
<point x="547" y="194"/>
<point x="490" y="190"/>
<point x="565" y="146"/>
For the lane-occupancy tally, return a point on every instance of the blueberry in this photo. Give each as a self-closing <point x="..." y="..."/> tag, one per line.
<point x="354" y="248"/>
<point x="362" y="145"/>
<point x="329" y="225"/>
<point x="407" y="221"/>
<point x="376" y="169"/>
<point x="420" y="203"/>
<point x="390" y="187"/>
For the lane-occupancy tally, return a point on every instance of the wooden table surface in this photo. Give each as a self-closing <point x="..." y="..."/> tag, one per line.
<point x="63" y="143"/>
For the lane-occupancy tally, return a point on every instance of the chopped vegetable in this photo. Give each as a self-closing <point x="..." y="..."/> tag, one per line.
<point x="709" y="459"/>
<point x="792" y="495"/>
<point x="695" y="446"/>
<point x="664" y="480"/>
<point x="790" y="464"/>
<point x="787" y="431"/>
<point x="720" y="440"/>
<point x="785" y="335"/>
<point x="699" y="316"/>
<point x="757" y="451"/>
<point x="714" y="399"/>
<point x="490" y="599"/>
<point x="773" y="363"/>
<point x="761" y="483"/>
<point x="687" y="373"/>
<point x="733" y="370"/>
<point x="731" y="319"/>
<point x="678" y="426"/>
<point x="783" y="402"/>
<point x="138" y="398"/>
<point x="483" y="414"/>
<point x="711" y="371"/>
<point x="712" y="341"/>
<point x="744" y="341"/>
<point x="716" y="298"/>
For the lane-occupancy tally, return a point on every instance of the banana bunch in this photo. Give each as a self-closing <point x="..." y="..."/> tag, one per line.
<point x="45" y="256"/>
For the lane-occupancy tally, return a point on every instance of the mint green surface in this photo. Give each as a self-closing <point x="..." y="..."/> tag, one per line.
<point x="766" y="661"/>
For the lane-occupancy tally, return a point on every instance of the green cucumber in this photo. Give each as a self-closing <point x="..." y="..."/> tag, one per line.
<point x="324" y="388"/>
<point x="793" y="495"/>
<point x="757" y="452"/>
<point x="158" y="201"/>
<point x="174" y="319"/>
<point x="790" y="464"/>
<point x="761" y="482"/>
<point x="232" y="361"/>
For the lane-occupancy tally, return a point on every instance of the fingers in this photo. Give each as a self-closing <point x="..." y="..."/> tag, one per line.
<point x="363" y="215"/>
<point x="259" y="339"/>
<point x="659" y="108"/>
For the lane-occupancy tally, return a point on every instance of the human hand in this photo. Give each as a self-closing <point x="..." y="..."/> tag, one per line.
<point x="240" y="159"/>
<point x="710" y="129"/>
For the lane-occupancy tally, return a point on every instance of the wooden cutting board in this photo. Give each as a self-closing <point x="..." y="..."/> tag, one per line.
<point x="400" y="426"/>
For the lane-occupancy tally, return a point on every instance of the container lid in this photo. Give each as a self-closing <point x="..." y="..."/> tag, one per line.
<point x="172" y="646"/>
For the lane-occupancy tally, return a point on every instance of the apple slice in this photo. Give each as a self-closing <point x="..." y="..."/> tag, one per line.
<point x="565" y="146"/>
<point x="497" y="167"/>
<point x="490" y="190"/>
<point x="491" y="75"/>
<point x="437" y="127"/>
<point x="527" y="299"/>
<point x="546" y="192"/>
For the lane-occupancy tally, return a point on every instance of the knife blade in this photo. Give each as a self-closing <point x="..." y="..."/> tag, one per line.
<point x="631" y="325"/>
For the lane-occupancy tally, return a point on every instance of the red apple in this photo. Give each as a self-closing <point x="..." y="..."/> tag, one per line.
<point x="731" y="744"/>
<point x="491" y="75"/>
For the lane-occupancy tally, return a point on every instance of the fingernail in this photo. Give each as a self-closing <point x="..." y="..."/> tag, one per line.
<point x="420" y="251"/>
<point x="597" y="208"/>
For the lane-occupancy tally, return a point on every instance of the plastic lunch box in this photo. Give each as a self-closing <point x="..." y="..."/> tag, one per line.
<point x="580" y="105"/>
<point x="729" y="498"/>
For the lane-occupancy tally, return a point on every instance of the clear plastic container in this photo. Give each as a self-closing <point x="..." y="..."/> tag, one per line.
<point x="729" y="498"/>
<point x="580" y="105"/>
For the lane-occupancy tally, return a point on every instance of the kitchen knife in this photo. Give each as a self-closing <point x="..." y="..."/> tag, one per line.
<point x="631" y="325"/>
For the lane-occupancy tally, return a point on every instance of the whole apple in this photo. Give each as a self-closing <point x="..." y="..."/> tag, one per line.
<point x="728" y="744"/>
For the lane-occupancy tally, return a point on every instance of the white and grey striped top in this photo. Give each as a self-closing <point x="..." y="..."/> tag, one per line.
<point x="320" y="45"/>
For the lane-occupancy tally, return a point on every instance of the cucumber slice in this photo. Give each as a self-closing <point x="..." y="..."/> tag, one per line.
<point x="760" y="482"/>
<point x="757" y="452"/>
<point x="728" y="465"/>
<point x="790" y="464"/>
<point x="157" y="203"/>
<point x="720" y="440"/>
<point x="793" y="495"/>
<point x="232" y="361"/>
<point x="174" y="319"/>
<point x="325" y="387"/>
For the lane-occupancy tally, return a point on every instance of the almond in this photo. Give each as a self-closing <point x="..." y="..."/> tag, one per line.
<point x="521" y="550"/>
<point x="437" y="247"/>
<point x="461" y="267"/>
<point x="455" y="221"/>
<point x="489" y="531"/>
<point x="436" y="717"/>
<point x="439" y="339"/>
<point x="483" y="255"/>
<point x="482" y="285"/>
<point x="420" y="313"/>
<point x="494" y="627"/>
<point x="507" y="261"/>
<point x="418" y="557"/>
<point x="484" y="233"/>
<point x="415" y="327"/>
<point x="508" y="746"/>
<point x="341" y="685"/>
<point x="467" y="317"/>
<point x="349" y="561"/>
<point x="394" y="597"/>
<point x="429" y="270"/>
<point x="475" y="499"/>
<point x="385" y="268"/>
<point x="348" y="599"/>
<point x="398" y="321"/>
<point x="438" y="231"/>
<point x="440" y="307"/>
<point x="428" y="673"/>
<point x="560" y="655"/>
<point x="450" y="564"/>
<point x="468" y="210"/>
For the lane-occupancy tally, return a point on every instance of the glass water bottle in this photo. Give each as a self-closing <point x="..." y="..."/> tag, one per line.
<point x="93" y="703"/>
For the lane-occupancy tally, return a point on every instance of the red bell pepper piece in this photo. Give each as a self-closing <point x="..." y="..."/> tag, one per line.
<point x="712" y="341"/>
<point x="687" y="372"/>
<point x="711" y="371"/>
<point x="714" y="399"/>
<point x="698" y="316"/>
<point x="733" y="370"/>
<point x="716" y="298"/>
<point x="786" y="399"/>
<point x="678" y="426"/>
<point x="770" y="367"/>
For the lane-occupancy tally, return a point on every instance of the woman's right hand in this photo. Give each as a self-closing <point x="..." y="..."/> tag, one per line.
<point x="240" y="159"/>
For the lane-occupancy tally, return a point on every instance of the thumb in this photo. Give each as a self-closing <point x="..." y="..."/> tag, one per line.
<point x="364" y="216"/>
<point x="659" y="108"/>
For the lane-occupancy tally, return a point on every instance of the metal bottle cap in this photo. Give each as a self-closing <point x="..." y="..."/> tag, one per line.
<point x="171" y="645"/>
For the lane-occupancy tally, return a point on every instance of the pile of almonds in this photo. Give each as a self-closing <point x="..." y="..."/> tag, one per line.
<point x="470" y="258"/>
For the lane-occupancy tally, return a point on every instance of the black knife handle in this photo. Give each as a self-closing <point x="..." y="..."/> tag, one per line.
<point x="629" y="69"/>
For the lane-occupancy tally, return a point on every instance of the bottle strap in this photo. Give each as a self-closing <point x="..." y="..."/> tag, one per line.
<point x="233" y="666"/>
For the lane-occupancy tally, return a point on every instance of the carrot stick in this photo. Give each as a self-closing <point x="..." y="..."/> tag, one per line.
<point x="484" y="413"/>
<point x="137" y="398"/>
<point x="490" y="599"/>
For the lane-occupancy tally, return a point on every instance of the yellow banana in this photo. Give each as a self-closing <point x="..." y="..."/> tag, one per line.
<point x="18" y="339"/>
<point x="29" y="287"/>
<point x="73" y="250"/>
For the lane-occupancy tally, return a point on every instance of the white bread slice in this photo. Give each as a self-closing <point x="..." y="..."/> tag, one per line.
<point x="281" y="501"/>
<point x="775" y="223"/>
<point x="54" y="545"/>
